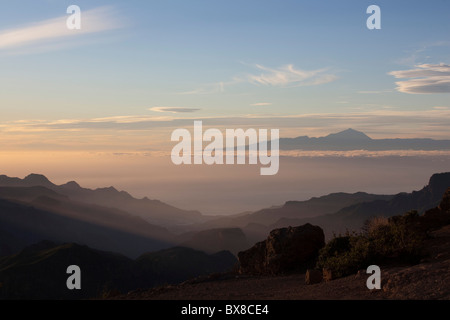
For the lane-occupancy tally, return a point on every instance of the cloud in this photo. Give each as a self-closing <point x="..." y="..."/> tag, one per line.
<point x="288" y="76"/>
<point x="49" y="32"/>
<point x="174" y="109"/>
<point x="422" y="53"/>
<point x="432" y="123"/>
<point x="285" y="77"/>
<point x="261" y="104"/>
<point x="424" y="79"/>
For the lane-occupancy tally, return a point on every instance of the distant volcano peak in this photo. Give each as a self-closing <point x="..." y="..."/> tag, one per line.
<point x="349" y="134"/>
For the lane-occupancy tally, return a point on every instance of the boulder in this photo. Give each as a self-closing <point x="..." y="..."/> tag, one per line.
<point x="252" y="260"/>
<point x="437" y="217"/>
<point x="285" y="250"/>
<point x="313" y="276"/>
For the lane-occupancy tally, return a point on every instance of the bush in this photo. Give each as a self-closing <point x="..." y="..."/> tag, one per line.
<point x="344" y="255"/>
<point x="394" y="240"/>
<point x="399" y="241"/>
<point x="371" y="225"/>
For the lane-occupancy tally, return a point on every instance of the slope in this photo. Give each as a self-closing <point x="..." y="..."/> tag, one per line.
<point x="153" y="211"/>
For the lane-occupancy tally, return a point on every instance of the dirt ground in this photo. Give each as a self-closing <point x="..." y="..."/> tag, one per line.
<point x="429" y="280"/>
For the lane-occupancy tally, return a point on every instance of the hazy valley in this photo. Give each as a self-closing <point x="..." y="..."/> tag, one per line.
<point x="46" y="225"/>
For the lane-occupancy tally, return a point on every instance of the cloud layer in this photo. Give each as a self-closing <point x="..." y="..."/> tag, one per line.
<point x="430" y="122"/>
<point x="425" y="78"/>
<point x="141" y="132"/>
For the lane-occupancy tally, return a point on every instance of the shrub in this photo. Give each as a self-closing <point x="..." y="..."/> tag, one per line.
<point x="371" y="225"/>
<point x="393" y="240"/>
<point x="344" y="255"/>
<point x="399" y="241"/>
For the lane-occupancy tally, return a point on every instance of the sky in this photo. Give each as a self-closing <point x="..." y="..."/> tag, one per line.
<point x="137" y="70"/>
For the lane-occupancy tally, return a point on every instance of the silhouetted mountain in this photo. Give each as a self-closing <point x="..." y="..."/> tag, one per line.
<point x="37" y="180"/>
<point x="353" y="217"/>
<point x="99" y="227"/>
<point x="215" y="240"/>
<point x="153" y="211"/>
<point x="255" y="225"/>
<point x="28" y="194"/>
<point x="349" y="135"/>
<point x="39" y="271"/>
<point x="313" y="207"/>
<point x="9" y="244"/>
<point x="179" y="263"/>
<point x="58" y="203"/>
<point x="71" y="185"/>
<point x="335" y="212"/>
<point x="355" y="140"/>
<point x="30" y="213"/>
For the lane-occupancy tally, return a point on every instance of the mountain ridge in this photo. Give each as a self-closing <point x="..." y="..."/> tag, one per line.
<point x="335" y="212"/>
<point x="353" y="217"/>
<point x="39" y="270"/>
<point x="352" y="139"/>
<point x="153" y="211"/>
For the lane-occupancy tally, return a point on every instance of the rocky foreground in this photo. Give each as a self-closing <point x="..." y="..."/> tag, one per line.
<point x="260" y="275"/>
<point x="429" y="279"/>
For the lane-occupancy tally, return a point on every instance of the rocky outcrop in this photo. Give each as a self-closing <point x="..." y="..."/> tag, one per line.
<point x="285" y="250"/>
<point x="444" y="206"/>
<point x="439" y="216"/>
<point x="253" y="260"/>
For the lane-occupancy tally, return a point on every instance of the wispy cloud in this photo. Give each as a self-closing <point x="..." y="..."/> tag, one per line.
<point x="431" y="122"/>
<point x="53" y="32"/>
<point x="288" y="76"/>
<point x="285" y="77"/>
<point x="422" y="53"/>
<point x="261" y="104"/>
<point x="174" y="109"/>
<point x="424" y="79"/>
<point x="139" y="132"/>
